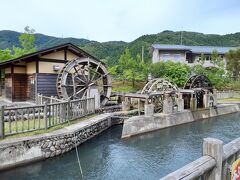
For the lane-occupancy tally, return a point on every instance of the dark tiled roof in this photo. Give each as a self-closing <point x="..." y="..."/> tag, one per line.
<point x="194" y="49"/>
<point x="48" y="50"/>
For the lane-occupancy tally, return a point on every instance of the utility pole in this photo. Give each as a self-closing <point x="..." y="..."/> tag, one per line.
<point x="181" y="37"/>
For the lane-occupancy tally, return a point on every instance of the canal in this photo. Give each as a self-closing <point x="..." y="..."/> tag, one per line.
<point x="148" y="156"/>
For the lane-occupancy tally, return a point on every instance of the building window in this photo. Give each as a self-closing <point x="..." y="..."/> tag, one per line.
<point x="205" y="57"/>
<point x="208" y="58"/>
<point x="166" y="57"/>
<point x="177" y="57"/>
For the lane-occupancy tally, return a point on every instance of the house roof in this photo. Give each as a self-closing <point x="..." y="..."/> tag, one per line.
<point x="69" y="46"/>
<point x="194" y="49"/>
<point x="170" y="47"/>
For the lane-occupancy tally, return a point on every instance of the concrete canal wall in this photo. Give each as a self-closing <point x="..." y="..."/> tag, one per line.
<point x="142" y="124"/>
<point x="18" y="151"/>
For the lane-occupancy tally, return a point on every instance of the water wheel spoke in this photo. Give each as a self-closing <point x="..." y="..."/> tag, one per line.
<point x="94" y="74"/>
<point x="80" y="90"/>
<point x="84" y="94"/>
<point x="96" y="71"/>
<point x="77" y="77"/>
<point x="70" y="85"/>
<point x="106" y="85"/>
<point x="88" y="67"/>
<point x="82" y="71"/>
<point x="100" y="77"/>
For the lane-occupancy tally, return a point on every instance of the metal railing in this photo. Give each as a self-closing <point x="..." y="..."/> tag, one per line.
<point x="16" y="120"/>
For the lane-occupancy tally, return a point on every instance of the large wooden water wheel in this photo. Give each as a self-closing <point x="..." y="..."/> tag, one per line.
<point x="201" y="84"/>
<point x="161" y="86"/>
<point x="78" y="76"/>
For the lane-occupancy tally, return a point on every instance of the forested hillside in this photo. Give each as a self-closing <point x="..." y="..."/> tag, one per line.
<point x="111" y="51"/>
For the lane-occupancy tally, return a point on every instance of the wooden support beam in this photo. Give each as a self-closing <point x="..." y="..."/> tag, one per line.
<point x="37" y="66"/>
<point x="214" y="148"/>
<point x="65" y="54"/>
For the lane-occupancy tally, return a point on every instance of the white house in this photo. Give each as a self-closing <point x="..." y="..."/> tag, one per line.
<point x="186" y="54"/>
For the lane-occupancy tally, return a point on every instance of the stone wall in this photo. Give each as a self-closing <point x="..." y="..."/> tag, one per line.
<point x="14" y="152"/>
<point x="19" y="151"/>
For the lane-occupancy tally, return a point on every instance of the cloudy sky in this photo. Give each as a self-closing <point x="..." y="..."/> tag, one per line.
<point x="105" y="20"/>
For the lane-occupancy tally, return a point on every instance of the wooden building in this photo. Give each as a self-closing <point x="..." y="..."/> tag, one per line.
<point x="22" y="78"/>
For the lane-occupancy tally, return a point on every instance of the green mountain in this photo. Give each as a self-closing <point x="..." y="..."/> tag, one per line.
<point x="8" y="39"/>
<point x="111" y="51"/>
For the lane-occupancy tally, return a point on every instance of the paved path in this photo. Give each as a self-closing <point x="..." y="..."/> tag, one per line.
<point x="5" y="102"/>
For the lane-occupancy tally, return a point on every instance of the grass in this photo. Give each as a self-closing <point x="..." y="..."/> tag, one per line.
<point x="23" y="126"/>
<point x="41" y="131"/>
<point x="126" y="86"/>
<point x="235" y="99"/>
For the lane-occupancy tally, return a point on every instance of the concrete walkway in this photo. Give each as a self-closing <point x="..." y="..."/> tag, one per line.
<point x="5" y="102"/>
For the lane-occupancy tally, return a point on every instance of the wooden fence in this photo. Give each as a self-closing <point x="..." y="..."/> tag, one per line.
<point x="15" y="120"/>
<point x="214" y="164"/>
<point x="227" y="94"/>
<point x="40" y="99"/>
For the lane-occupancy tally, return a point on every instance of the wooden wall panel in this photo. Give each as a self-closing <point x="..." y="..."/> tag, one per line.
<point x="8" y="86"/>
<point x="46" y="84"/>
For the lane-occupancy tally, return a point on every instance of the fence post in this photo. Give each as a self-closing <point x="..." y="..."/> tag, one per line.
<point x="41" y="99"/>
<point x="94" y="104"/>
<point x="45" y="116"/>
<point x="2" y="123"/>
<point x="68" y="110"/>
<point x="214" y="148"/>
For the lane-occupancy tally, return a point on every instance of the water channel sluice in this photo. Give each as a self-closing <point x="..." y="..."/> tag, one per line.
<point x="147" y="156"/>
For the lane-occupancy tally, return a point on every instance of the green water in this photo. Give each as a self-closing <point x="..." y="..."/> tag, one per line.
<point x="149" y="156"/>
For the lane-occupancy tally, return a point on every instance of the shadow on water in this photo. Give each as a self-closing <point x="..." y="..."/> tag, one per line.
<point x="147" y="156"/>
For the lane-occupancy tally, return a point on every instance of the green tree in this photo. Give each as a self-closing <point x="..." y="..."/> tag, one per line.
<point x="5" y="55"/>
<point x="201" y="59"/>
<point x="129" y="69"/>
<point x="136" y="71"/>
<point x="217" y="60"/>
<point x="158" y="69"/>
<point x="233" y="63"/>
<point x="126" y="59"/>
<point x="175" y="71"/>
<point x="216" y="73"/>
<point x="27" y="41"/>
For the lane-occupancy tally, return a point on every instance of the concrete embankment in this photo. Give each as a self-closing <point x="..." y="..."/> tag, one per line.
<point x="19" y="151"/>
<point x="142" y="124"/>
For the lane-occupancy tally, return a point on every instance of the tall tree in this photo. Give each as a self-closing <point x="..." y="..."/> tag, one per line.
<point x="27" y="41"/>
<point x="136" y="70"/>
<point x="129" y="69"/>
<point x="233" y="63"/>
<point x="216" y="59"/>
